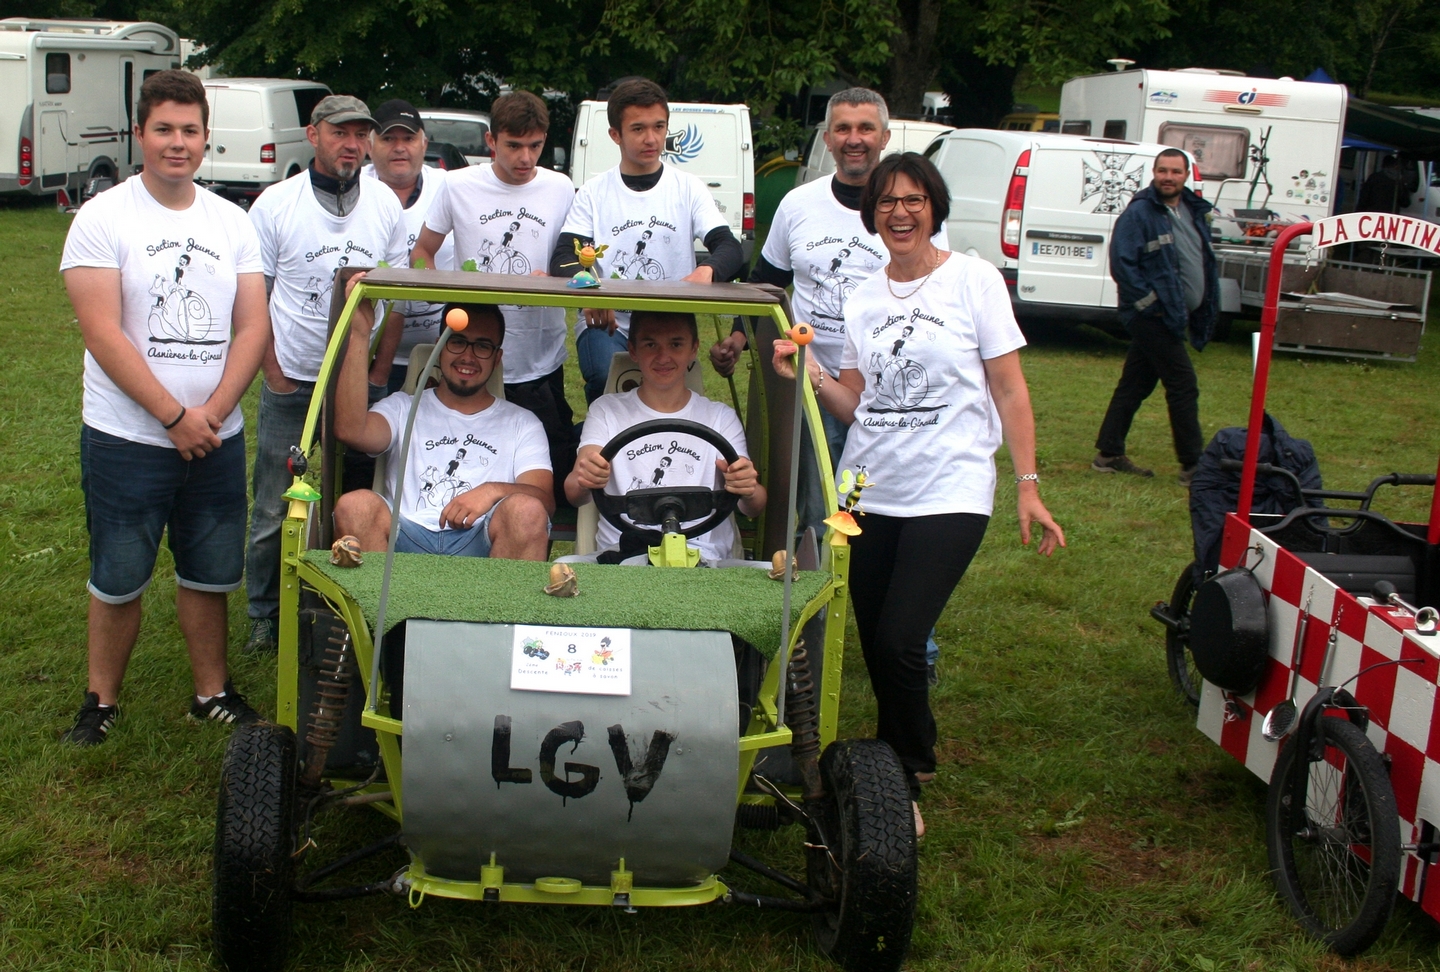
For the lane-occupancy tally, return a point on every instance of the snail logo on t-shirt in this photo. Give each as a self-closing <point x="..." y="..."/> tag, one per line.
<point x="832" y="288"/>
<point x="504" y="258"/>
<point x="319" y="286"/>
<point x="664" y="465"/>
<point x="902" y="385"/>
<point x="635" y="263"/>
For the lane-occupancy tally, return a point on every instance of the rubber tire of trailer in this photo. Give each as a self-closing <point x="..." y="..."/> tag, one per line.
<point x="1378" y="830"/>
<point x="1181" y="664"/>
<point x="869" y="826"/>
<point x="254" y="843"/>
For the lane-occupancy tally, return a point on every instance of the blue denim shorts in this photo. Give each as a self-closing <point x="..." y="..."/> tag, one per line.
<point x="135" y="492"/>
<point x="471" y="542"/>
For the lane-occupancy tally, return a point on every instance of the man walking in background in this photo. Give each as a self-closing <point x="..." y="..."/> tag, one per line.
<point x="1169" y="286"/>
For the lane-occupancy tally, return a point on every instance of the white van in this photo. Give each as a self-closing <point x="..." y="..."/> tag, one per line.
<point x="257" y="133"/>
<point x="816" y="162"/>
<point x="1041" y="207"/>
<point x="68" y="92"/>
<point x="1261" y="144"/>
<point x="709" y="141"/>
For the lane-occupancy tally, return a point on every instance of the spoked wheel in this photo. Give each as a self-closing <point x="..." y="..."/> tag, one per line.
<point x="864" y="860"/>
<point x="1183" y="674"/>
<point x="254" y="841"/>
<point x="1337" y="861"/>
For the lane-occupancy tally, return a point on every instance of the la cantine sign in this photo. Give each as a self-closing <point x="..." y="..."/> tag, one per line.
<point x="1376" y="228"/>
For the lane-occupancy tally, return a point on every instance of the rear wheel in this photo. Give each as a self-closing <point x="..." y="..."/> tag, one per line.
<point x="1336" y="862"/>
<point x="1183" y="673"/>
<point x="863" y="858"/>
<point x="254" y="841"/>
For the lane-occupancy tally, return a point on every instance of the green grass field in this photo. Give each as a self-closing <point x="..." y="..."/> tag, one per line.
<point x="1079" y="820"/>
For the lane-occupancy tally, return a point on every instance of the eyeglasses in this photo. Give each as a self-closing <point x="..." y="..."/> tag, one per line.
<point x="912" y="203"/>
<point x="484" y="348"/>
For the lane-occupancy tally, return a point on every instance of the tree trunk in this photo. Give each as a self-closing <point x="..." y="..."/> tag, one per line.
<point x="913" y="63"/>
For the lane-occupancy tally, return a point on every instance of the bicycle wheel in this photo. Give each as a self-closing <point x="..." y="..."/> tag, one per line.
<point x="1183" y="674"/>
<point x="1337" y="863"/>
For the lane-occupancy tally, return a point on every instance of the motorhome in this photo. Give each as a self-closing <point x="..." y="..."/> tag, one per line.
<point x="71" y="90"/>
<point x="1265" y="148"/>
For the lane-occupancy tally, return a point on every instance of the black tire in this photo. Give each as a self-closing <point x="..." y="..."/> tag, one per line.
<point x="869" y="870"/>
<point x="1321" y="871"/>
<point x="254" y="841"/>
<point x="1183" y="674"/>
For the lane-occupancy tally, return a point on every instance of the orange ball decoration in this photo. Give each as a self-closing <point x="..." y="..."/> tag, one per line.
<point x="456" y="319"/>
<point x="802" y="334"/>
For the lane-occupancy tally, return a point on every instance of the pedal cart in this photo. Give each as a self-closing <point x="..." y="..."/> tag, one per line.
<point x="1320" y="670"/>
<point x="592" y="750"/>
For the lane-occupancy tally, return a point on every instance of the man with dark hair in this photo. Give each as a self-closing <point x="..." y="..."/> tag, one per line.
<point x="495" y="496"/>
<point x="512" y="210"/>
<point x="640" y="201"/>
<point x="307" y="226"/>
<point x="1169" y="286"/>
<point x="397" y="158"/>
<point x="162" y="443"/>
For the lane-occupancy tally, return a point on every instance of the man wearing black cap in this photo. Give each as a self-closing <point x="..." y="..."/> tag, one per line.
<point x="397" y="158"/>
<point x="309" y="226"/>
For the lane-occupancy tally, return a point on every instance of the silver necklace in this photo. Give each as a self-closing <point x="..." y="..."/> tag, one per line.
<point x="923" y="280"/>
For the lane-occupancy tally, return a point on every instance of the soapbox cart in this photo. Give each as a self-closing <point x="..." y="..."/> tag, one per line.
<point x="590" y="750"/>
<point x="1319" y="674"/>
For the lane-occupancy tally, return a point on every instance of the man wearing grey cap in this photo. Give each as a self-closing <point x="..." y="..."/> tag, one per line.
<point x="309" y="226"/>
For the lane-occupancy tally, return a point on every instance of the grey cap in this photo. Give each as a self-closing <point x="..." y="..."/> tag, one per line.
<point x="339" y="109"/>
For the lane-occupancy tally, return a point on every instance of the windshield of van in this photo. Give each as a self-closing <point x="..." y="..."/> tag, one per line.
<point x="465" y="134"/>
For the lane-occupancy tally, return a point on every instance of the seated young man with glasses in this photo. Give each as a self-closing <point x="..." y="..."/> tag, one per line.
<point x="477" y="479"/>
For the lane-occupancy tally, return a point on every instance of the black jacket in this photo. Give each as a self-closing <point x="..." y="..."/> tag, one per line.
<point x="1146" y="267"/>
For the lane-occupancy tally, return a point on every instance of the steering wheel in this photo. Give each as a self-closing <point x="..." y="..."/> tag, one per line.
<point x="667" y="506"/>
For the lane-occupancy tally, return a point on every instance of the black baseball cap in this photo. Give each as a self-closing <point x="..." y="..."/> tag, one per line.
<point x="398" y="113"/>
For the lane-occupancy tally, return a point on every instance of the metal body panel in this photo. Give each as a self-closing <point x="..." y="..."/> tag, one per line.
<point x="536" y="778"/>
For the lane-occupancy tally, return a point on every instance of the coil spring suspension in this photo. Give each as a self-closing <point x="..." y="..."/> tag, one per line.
<point x="332" y="692"/>
<point x="802" y="716"/>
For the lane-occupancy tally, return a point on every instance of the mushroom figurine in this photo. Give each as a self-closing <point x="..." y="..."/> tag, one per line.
<point x="844" y="526"/>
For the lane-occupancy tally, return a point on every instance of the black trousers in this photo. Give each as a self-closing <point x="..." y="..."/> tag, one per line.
<point x="902" y="573"/>
<point x="1156" y="355"/>
<point x="545" y="398"/>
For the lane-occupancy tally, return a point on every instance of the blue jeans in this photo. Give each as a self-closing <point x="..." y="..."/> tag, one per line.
<point x="135" y="492"/>
<point x="471" y="542"/>
<point x="595" y="349"/>
<point x="281" y="419"/>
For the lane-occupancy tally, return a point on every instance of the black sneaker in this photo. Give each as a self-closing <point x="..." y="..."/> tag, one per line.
<point x="262" y="638"/>
<point x="1187" y="475"/>
<point x="92" y="722"/>
<point x="228" y="706"/>
<point x="1119" y="464"/>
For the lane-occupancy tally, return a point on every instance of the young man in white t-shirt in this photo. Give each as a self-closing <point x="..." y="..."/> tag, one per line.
<point x="664" y="345"/>
<point x="310" y="226"/>
<point x="506" y="216"/>
<point x="477" y="477"/>
<point x="167" y="287"/>
<point x="397" y="158"/>
<point x="649" y="215"/>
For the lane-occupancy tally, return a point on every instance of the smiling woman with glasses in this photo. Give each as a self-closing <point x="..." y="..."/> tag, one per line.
<point x="929" y="381"/>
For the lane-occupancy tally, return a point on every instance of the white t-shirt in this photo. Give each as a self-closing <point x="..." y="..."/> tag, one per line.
<point x="926" y="428"/>
<point x="452" y="453"/>
<point x="302" y="246"/>
<point x="651" y="235"/>
<point x="178" y="280"/>
<point x="422" y="320"/>
<point x="663" y="459"/>
<point x="830" y="253"/>
<point x="511" y="229"/>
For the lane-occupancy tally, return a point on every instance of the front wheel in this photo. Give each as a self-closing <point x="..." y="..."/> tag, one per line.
<point x="254" y="841"/>
<point x="1336" y="861"/>
<point x="862" y="857"/>
<point x="1183" y="674"/>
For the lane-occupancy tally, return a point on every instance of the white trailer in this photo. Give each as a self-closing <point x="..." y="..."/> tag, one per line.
<point x="1260" y="144"/>
<point x="70" y="92"/>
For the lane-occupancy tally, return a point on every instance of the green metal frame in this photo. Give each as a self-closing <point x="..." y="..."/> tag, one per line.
<point x="762" y="733"/>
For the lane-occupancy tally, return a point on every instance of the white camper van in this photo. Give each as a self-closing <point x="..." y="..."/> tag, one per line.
<point x="709" y="141"/>
<point x="1041" y="207"/>
<point x="257" y="133"/>
<point x="905" y="136"/>
<point x="1260" y="144"/>
<point x="68" y="91"/>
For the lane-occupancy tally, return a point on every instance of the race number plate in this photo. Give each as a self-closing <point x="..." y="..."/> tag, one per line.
<point x="590" y="661"/>
<point x="1071" y="251"/>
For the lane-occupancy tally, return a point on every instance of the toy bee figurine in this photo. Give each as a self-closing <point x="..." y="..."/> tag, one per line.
<point x="585" y="257"/>
<point x="851" y="484"/>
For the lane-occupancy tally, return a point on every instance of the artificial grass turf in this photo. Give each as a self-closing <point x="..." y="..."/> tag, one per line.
<point x="741" y="600"/>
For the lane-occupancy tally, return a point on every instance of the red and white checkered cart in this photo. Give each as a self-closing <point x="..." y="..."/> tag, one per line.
<point x="1320" y="672"/>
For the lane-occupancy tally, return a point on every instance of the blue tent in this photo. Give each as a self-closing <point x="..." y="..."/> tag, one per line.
<point x="1319" y="77"/>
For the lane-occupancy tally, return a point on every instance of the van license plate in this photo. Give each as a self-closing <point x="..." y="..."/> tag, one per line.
<point x="1073" y="251"/>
